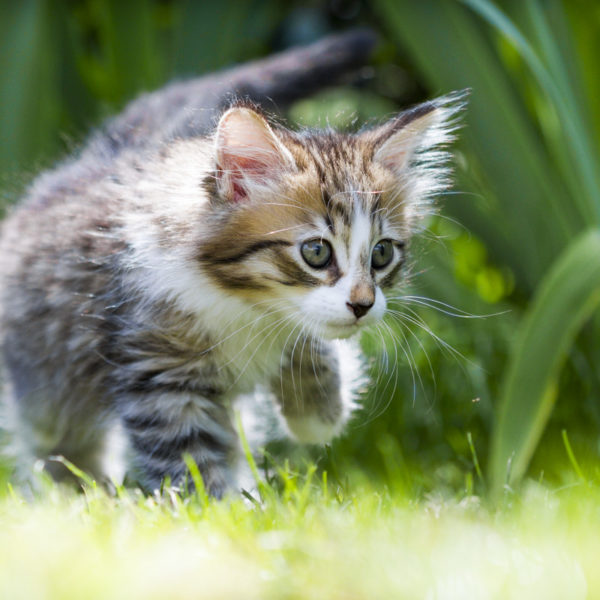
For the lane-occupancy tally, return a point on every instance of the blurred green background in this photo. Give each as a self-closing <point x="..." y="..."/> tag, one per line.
<point x="502" y="378"/>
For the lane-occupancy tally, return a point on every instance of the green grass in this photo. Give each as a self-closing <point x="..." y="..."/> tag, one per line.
<point x="307" y="539"/>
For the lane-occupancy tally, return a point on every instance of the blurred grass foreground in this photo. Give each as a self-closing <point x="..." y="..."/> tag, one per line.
<point x="302" y="542"/>
<point x="472" y="471"/>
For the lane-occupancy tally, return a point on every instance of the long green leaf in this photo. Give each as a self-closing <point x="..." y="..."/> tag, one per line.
<point x="29" y="107"/>
<point x="565" y="300"/>
<point x="524" y="215"/>
<point x="576" y="132"/>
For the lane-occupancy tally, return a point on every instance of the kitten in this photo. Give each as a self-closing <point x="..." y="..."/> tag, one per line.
<point x="166" y="272"/>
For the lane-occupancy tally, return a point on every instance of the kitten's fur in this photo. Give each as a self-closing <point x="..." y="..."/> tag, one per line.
<point x="159" y="276"/>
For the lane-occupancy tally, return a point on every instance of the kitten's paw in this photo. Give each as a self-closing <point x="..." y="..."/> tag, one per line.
<point x="312" y="430"/>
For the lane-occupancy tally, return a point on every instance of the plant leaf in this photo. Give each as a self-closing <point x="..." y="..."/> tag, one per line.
<point x="521" y="211"/>
<point x="564" y="301"/>
<point x="576" y="131"/>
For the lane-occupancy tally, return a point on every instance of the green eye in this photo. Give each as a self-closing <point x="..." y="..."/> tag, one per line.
<point x="382" y="255"/>
<point x="316" y="253"/>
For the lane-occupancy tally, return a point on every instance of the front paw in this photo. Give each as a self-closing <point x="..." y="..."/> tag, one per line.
<point x="312" y="430"/>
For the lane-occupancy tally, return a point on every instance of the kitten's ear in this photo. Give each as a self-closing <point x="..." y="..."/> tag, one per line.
<point x="417" y="132"/>
<point x="398" y="142"/>
<point x="248" y="153"/>
<point x="414" y="146"/>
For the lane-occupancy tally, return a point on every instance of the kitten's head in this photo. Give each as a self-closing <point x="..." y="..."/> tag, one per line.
<point x="315" y="225"/>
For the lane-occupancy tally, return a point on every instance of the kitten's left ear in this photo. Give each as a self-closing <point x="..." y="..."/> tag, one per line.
<point x="248" y="153"/>
<point x="417" y="131"/>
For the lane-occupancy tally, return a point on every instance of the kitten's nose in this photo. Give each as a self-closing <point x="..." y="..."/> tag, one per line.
<point x="359" y="308"/>
<point x="362" y="297"/>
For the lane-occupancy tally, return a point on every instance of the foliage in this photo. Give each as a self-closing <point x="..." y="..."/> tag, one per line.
<point x="566" y="298"/>
<point x="531" y="148"/>
<point x="64" y="66"/>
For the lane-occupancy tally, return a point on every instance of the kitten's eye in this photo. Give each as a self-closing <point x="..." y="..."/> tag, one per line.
<point x="316" y="253"/>
<point x="382" y="255"/>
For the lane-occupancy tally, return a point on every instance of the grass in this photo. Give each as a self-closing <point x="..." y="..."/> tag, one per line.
<point x="306" y="539"/>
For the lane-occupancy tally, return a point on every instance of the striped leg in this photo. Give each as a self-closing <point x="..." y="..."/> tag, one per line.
<point x="311" y="395"/>
<point x="162" y="427"/>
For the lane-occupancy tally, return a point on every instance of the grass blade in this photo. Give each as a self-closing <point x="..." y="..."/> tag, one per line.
<point x="75" y="470"/>
<point x="566" y="298"/>
<point x="572" y="459"/>
<point x="263" y="488"/>
<point x="199" y="487"/>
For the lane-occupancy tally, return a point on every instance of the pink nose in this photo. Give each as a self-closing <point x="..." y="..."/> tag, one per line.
<point x="359" y="308"/>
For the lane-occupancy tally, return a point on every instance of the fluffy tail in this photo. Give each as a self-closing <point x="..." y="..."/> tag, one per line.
<point x="189" y="108"/>
<point x="302" y="71"/>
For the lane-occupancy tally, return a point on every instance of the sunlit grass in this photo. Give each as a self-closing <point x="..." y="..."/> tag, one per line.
<point x="307" y="538"/>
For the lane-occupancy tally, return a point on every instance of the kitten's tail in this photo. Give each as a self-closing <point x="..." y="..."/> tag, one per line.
<point x="189" y="108"/>
<point x="299" y="72"/>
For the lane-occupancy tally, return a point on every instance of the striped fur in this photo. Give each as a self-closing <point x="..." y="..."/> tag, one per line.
<point x="153" y="292"/>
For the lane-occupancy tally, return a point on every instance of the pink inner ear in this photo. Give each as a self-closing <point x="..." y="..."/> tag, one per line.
<point x="247" y="152"/>
<point x="237" y="168"/>
<point x="248" y="164"/>
<point x="239" y="193"/>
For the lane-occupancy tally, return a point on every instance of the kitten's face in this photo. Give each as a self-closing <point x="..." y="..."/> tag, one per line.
<point x="354" y="257"/>
<point x="313" y="227"/>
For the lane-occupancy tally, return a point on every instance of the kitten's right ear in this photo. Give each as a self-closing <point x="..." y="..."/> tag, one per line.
<point x="414" y="147"/>
<point x="400" y="139"/>
<point x="248" y="153"/>
<point x="418" y="132"/>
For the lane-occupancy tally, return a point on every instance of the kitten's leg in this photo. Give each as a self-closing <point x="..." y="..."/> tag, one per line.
<point x="317" y="387"/>
<point x="162" y="426"/>
<point x="40" y="424"/>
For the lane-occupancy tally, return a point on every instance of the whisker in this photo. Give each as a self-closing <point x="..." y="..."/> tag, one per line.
<point x="285" y="229"/>
<point x="237" y="317"/>
<point x="423" y="349"/>
<point x="415" y="319"/>
<point x="445" y="308"/>
<point x="273" y="329"/>
<point x="249" y="341"/>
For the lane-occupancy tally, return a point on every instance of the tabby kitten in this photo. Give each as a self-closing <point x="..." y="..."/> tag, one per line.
<point x="150" y="286"/>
